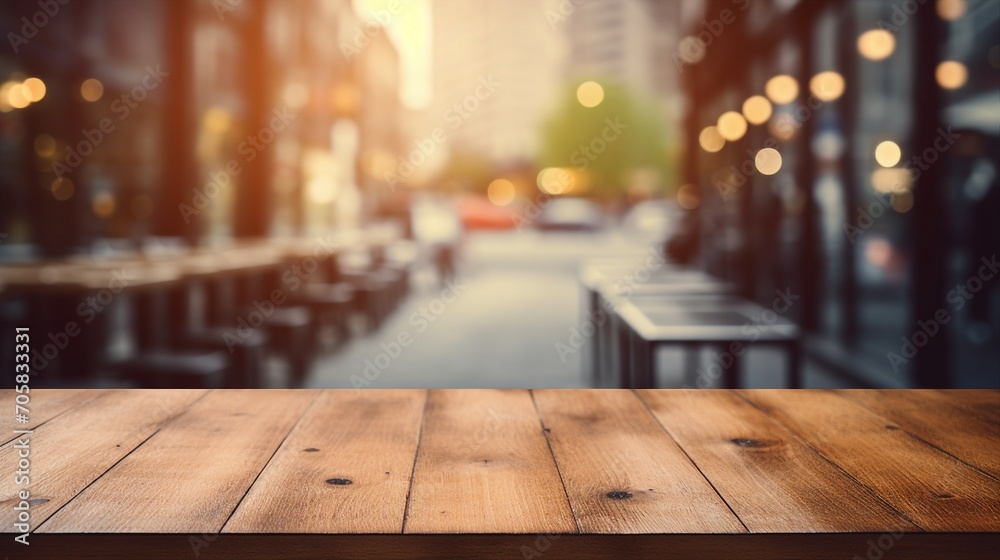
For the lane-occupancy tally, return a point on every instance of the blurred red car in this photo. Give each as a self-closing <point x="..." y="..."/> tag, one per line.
<point x="477" y="212"/>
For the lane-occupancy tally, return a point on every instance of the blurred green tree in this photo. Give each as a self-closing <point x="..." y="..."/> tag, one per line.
<point x="465" y="171"/>
<point x="619" y="142"/>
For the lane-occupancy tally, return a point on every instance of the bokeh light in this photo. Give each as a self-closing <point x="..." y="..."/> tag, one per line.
<point x="17" y="95"/>
<point x="781" y="89"/>
<point x="500" y="192"/>
<point x="757" y="109"/>
<point x="902" y="202"/>
<point x="62" y="188"/>
<point x="827" y="86"/>
<point x="878" y="252"/>
<point x="887" y="153"/>
<point x="103" y="205"/>
<point x="91" y="89"/>
<point x="688" y="197"/>
<point x="691" y="49"/>
<point x="731" y="126"/>
<point x="554" y="180"/>
<point x="590" y="94"/>
<point x="710" y="139"/>
<point x="768" y="161"/>
<point x="950" y="10"/>
<point x="951" y="74"/>
<point x="345" y="98"/>
<point x="892" y="180"/>
<point x="876" y="44"/>
<point x="36" y="89"/>
<point x="45" y="145"/>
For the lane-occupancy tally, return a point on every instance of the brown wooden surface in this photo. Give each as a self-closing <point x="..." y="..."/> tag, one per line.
<point x="624" y="474"/>
<point x="483" y="466"/>
<point x="773" y="481"/>
<point x="56" y="402"/>
<point x="935" y="421"/>
<point x="191" y="474"/>
<point x="344" y="469"/>
<point x="508" y="474"/>
<point x="936" y="491"/>
<point x="79" y="447"/>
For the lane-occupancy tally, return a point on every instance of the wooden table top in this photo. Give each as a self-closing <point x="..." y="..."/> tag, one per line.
<point x="507" y="473"/>
<point x="136" y="270"/>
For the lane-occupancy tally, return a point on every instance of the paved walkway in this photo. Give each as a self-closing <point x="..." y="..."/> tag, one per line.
<point x="516" y="297"/>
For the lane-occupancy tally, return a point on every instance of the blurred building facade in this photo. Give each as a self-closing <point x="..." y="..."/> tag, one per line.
<point x="198" y="119"/>
<point x="629" y="41"/>
<point x="514" y="47"/>
<point x="892" y="255"/>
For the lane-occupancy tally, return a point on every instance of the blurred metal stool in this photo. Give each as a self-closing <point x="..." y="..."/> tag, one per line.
<point x="330" y="305"/>
<point x="247" y="353"/>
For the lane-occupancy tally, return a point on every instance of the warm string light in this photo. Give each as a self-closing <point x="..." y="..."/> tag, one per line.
<point x="710" y="139"/>
<point x="951" y="74"/>
<point x="781" y="89"/>
<point x="887" y="153"/>
<point x="500" y="192"/>
<point x="757" y="109"/>
<point x="876" y="44"/>
<point x="590" y="94"/>
<point x="731" y="126"/>
<point x="91" y="90"/>
<point x="18" y="94"/>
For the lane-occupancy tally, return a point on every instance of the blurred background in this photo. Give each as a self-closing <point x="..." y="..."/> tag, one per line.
<point x="382" y="193"/>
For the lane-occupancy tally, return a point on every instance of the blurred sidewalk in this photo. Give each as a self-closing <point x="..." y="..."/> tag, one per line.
<point x="517" y="296"/>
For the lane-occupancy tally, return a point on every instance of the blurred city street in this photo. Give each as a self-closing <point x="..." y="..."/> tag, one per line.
<point x="519" y="298"/>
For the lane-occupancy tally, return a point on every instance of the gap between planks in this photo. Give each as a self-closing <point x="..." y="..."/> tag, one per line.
<point x="688" y="455"/>
<point x="271" y="458"/>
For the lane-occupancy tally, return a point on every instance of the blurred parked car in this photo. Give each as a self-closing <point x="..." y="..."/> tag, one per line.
<point x="652" y="219"/>
<point x="570" y="214"/>
<point x="477" y="212"/>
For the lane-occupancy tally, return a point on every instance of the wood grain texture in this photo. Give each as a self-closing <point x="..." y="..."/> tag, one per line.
<point x="970" y="437"/>
<point x="817" y="474"/>
<point x="345" y="468"/>
<point x="191" y="475"/>
<point x="933" y="489"/>
<point x="773" y="482"/>
<point x="45" y="405"/>
<point x="623" y="473"/>
<point x="77" y="447"/>
<point x="982" y="403"/>
<point x="483" y="465"/>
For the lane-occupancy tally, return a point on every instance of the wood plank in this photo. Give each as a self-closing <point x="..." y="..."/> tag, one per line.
<point x="77" y="447"/>
<point x="483" y="465"/>
<point x="984" y="403"/>
<point x="933" y="489"/>
<point x="623" y="473"/>
<point x="191" y="475"/>
<point x="969" y="437"/>
<point x="345" y="468"/>
<point x="45" y="404"/>
<point x="773" y="482"/>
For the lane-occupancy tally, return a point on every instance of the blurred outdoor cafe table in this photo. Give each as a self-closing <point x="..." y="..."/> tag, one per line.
<point x="634" y="308"/>
<point x="160" y="284"/>
<point x="414" y="473"/>
<point x="734" y="325"/>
